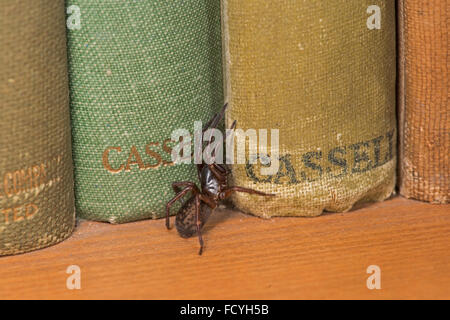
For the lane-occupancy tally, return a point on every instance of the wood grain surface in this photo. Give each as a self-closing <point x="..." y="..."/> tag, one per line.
<point x="248" y="258"/>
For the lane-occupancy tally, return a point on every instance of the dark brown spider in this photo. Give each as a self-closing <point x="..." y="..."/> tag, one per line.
<point x="196" y="210"/>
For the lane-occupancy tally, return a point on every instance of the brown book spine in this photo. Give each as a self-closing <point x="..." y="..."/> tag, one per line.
<point x="423" y="113"/>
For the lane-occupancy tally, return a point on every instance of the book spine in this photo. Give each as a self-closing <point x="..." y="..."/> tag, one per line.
<point x="322" y="73"/>
<point x="36" y="176"/>
<point x="138" y="71"/>
<point x="423" y="101"/>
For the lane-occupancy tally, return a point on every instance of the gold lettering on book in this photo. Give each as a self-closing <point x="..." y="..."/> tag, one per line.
<point x="134" y="154"/>
<point x="168" y="150"/>
<point x="19" y="213"/>
<point x="151" y="156"/>
<point x="21" y="181"/>
<point x="105" y="158"/>
<point x="25" y="184"/>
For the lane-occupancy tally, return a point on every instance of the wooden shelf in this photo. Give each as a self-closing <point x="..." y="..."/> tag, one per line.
<point x="248" y="258"/>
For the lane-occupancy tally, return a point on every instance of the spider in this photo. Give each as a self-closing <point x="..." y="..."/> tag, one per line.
<point x="194" y="212"/>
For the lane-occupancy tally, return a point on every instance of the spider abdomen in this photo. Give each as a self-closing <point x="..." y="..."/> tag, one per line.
<point x="185" y="221"/>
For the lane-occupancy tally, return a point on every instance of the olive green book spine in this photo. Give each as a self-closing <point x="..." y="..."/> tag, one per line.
<point x="36" y="172"/>
<point x="323" y="73"/>
<point x="138" y="71"/>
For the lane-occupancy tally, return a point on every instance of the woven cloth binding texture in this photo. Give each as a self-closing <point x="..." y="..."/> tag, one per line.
<point x="323" y="73"/>
<point x="36" y="191"/>
<point x="424" y="113"/>
<point x="138" y="71"/>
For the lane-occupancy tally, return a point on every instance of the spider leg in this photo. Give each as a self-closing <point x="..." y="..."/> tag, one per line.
<point x="233" y="126"/>
<point x="199" y="170"/>
<point x="210" y="122"/>
<point x="219" y="171"/>
<point x="198" y="222"/>
<point x="228" y="191"/>
<point x="176" y="198"/>
<point x="177" y="187"/>
<point x="206" y="127"/>
<point x="210" y="202"/>
<point x="215" y="120"/>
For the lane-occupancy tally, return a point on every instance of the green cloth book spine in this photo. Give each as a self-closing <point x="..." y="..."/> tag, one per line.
<point x="36" y="176"/>
<point x="138" y="71"/>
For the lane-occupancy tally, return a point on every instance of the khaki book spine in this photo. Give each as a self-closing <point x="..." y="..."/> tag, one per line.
<point x="36" y="176"/>
<point x="324" y="74"/>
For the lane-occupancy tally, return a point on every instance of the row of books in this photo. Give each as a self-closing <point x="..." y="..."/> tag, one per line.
<point x="92" y="91"/>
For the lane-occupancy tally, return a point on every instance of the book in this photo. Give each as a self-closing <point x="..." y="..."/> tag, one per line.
<point x="36" y="190"/>
<point x="424" y="121"/>
<point x="138" y="71"/>
<point x="322" y="73"/>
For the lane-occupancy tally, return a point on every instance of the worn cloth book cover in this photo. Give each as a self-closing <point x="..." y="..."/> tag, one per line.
<point x="36" y="190"/>
<point x="323" y="73"/>
<point x="138" y="71"/>
<point x="424" y="113"/>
